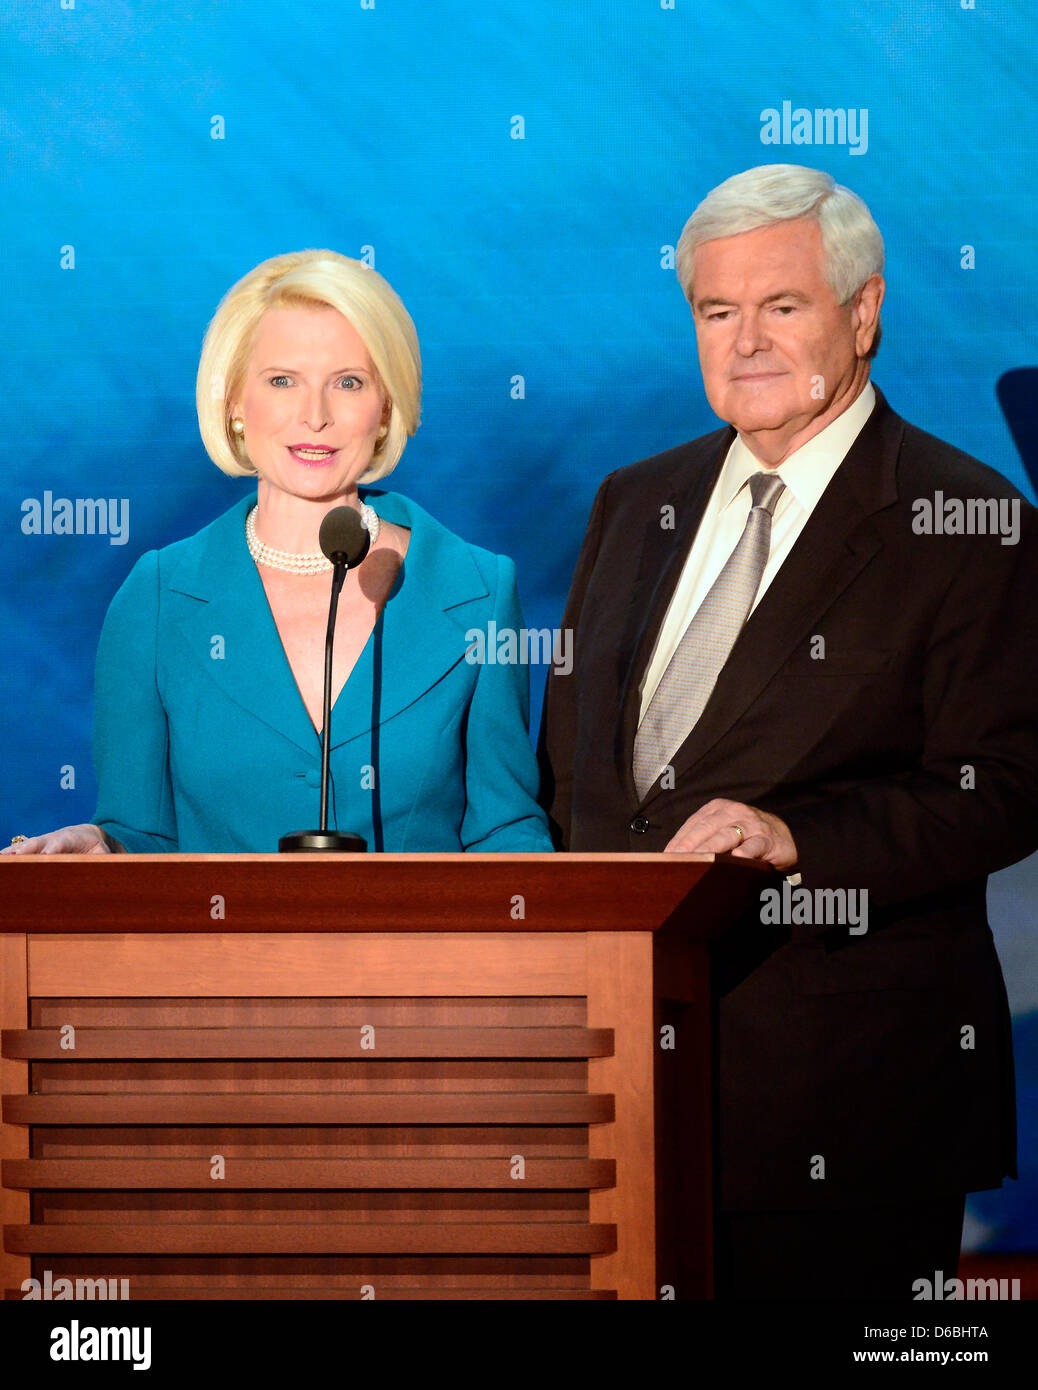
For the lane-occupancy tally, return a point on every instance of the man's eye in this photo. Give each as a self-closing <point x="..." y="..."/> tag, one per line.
<point x="785" y="308"/>
<point x="719" y="314"/>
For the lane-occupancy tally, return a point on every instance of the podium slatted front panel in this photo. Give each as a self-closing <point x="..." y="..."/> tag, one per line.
<point x="336" y="1076"/>
<point x="278" y="1145"/>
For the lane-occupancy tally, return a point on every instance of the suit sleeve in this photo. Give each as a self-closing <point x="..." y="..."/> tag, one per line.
<point x="970" y="807"/>
<point x="557" y="742"/>
<point x="131" y="734"/>
<point x="501" y="810"/>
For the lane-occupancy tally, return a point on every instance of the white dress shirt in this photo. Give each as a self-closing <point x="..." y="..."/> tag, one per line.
<point x="806" y="473"/>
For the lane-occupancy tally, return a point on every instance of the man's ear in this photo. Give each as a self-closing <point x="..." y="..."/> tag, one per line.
<point x="867" y="304"/>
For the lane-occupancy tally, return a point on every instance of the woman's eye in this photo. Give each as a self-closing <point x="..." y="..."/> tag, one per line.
<point x="350" y="382"/>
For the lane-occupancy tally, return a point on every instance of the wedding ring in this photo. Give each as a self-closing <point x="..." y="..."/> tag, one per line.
<point x="741" y="832"/>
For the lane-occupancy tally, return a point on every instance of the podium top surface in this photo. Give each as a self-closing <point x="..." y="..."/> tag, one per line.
<point x="366" y="892"/>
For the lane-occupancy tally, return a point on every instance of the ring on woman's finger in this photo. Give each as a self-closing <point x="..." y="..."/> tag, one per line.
<point x="17" y="839"/>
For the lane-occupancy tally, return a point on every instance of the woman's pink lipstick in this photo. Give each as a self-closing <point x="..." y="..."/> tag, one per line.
<point x="313" y="455"/>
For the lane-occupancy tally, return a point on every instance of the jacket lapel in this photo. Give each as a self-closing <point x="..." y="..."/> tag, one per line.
<point x="222" y="599"/>
<point x="424" y="619"/>
<point x="837" y="541"/>
<point x="423" y="624"/>
<point x="661" y="560"/>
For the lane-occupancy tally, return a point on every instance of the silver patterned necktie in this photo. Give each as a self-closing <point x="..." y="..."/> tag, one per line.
<point x="686" y="684"/>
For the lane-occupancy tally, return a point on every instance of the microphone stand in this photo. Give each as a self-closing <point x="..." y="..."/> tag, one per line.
<point x="324" y="840"/>
<point x="338" y="579"/>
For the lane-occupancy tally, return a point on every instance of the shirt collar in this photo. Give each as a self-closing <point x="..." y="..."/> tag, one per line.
<point x="809" y="470"/>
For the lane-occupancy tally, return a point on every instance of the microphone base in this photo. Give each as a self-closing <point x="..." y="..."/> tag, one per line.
<point x="322" y="842"/>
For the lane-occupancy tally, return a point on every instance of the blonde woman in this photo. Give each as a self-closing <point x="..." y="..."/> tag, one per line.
<point x="210" y="666"/>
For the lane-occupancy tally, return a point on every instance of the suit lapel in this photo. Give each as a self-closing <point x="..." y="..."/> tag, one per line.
<point x="661" y="560"/>
<point x="837" y="541"/>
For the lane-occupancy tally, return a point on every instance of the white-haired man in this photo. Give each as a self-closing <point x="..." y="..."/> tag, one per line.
<point x="774" y="658"/>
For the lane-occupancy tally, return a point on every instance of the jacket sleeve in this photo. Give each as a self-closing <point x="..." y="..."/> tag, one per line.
<point x="131" y="735"/>
<point x="501" y="810"/>
<point x="557" y="741"/>
<point x="970" y="806"/>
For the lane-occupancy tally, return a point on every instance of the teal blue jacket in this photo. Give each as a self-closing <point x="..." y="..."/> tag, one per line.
<point x="202" y="743"/>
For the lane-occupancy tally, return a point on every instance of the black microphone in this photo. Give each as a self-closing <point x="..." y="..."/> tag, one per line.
<point x="345" y="541"/>
<point x="344" y="538"/>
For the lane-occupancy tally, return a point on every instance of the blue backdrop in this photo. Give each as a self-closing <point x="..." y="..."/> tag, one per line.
<point x="520" y="173"/>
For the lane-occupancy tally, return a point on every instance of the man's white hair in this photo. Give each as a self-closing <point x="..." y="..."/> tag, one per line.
<point x="851" y="242"/>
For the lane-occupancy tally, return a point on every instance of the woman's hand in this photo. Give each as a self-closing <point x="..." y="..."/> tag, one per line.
<point x="70" y="839"/>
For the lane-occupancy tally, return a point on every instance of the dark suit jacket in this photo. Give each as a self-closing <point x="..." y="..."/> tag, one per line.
<point x="848" y="1047"/>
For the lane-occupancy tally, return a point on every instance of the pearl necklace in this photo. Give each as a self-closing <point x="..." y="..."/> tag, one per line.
<point x="295" y="563"/>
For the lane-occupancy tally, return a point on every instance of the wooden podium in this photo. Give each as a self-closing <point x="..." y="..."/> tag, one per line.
<point x="440" y="1076"/>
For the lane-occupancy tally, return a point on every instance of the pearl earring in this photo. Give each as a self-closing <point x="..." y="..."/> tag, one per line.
<point x="238" y="426"/>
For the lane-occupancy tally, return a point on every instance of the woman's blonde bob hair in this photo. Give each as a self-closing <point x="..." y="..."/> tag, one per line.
<point x="312" y="279"/>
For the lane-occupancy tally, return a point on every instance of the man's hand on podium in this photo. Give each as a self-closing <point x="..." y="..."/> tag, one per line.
<point x="731" y="827"/>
